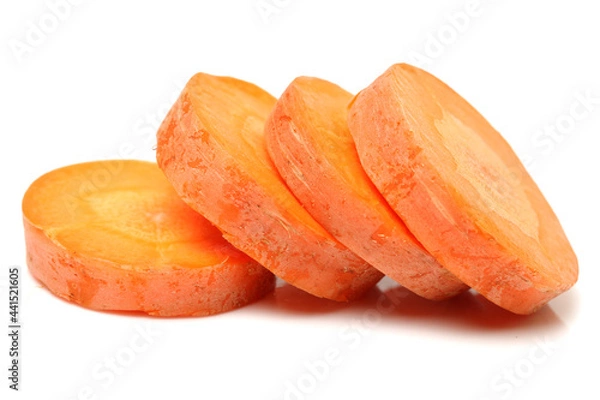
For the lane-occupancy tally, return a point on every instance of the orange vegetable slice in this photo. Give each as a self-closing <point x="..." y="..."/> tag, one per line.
<point x="460" y="189"/>
<point x="211" y="147"/>
<point x="309" y="142"/>
<point x="114" y="235"/>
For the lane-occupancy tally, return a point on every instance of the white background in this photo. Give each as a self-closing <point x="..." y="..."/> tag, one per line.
<point x="99" y="81"/>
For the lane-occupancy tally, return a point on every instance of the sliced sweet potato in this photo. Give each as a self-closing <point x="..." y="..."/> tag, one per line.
<point x="211" y="147"/>
<point x="114" y="235"/>
<point x="309" y="142"/>
<point x="460" y="189"/>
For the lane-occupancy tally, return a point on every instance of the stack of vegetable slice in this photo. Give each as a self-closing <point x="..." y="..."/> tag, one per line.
<point x="324" y="190"/>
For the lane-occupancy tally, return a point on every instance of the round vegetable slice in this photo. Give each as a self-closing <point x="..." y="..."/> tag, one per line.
<point x="460" y="189"/>
<point x="309" y="142"/>
<point x="114" y="235"/>
<point x="211" y="147"/>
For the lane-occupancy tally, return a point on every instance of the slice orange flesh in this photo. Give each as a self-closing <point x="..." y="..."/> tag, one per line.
<point x="309" y="142"/>
<point x="460" y="189"/>
<point x="211" y="147"/>
<point x="114" y="235"/>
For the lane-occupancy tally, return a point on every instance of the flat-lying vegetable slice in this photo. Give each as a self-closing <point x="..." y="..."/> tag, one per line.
<point x="309" y="142"/>
<point x="211" y="147"/>
<point x="114" y="235"/>
<point x="460" y="189"/>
